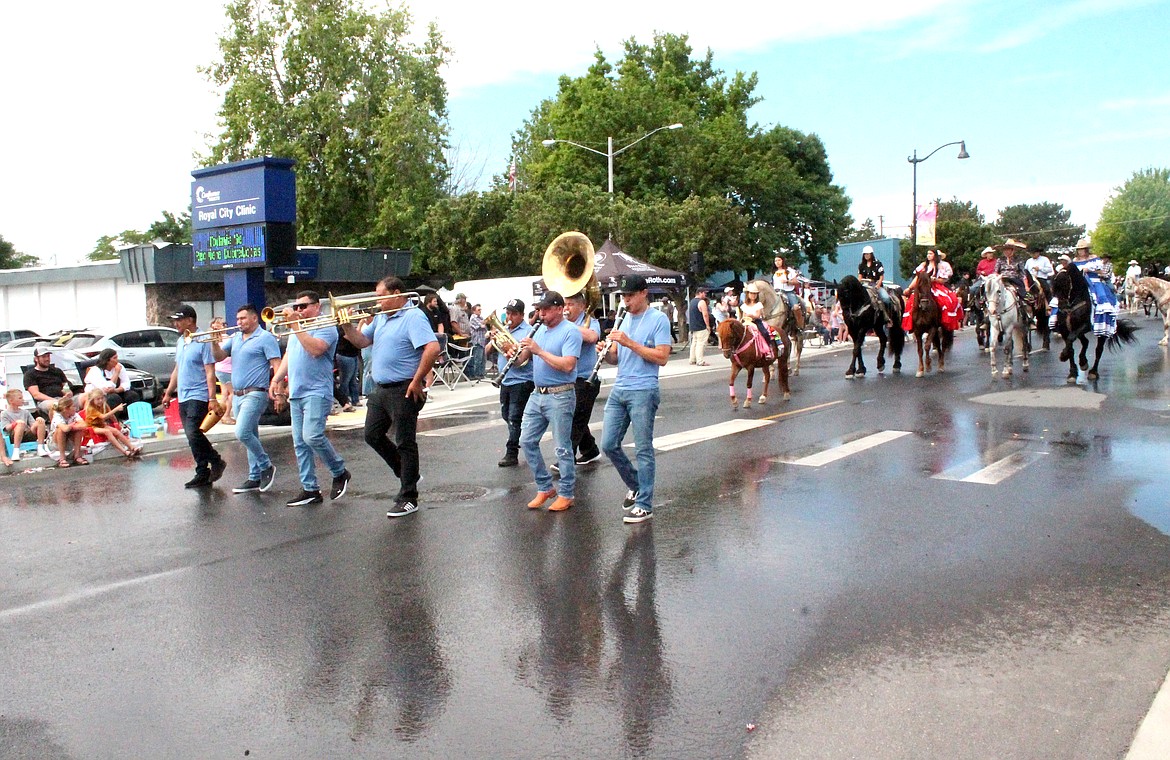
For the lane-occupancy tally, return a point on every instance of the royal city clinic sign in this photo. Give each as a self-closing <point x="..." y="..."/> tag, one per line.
<point x="244" y="214"/>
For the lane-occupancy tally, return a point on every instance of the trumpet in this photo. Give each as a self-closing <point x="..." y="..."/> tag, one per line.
<point x="217" y="335"/>
<point x="604" y="352"/>
<point x="512" y="359"/>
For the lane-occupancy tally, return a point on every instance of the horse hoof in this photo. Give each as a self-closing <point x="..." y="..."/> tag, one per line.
<point x="1006" y="372"/>
<point x="1092" y="375"/>
<point x="994" y="372"/>
<point x="1070" y="380"/>
<point x="763" y="400"/>
<point x="1162" y="342"/>
<point x="794" y="373"/>
<point x="747" y="404"/>
<point x="787" y="396"/>
<point x="919" y="373"/>
<point x="849" y="375"/>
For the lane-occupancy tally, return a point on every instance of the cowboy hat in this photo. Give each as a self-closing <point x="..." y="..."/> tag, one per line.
<point x="1083" y="243"/>
<point x="1064" y="257"/>
<point x="1133" y="261"/>
<point x="1012" y="243"/>
<point x="987" y="250"/>
<point x="751" y="287"/>
<point x="938" y="253"/>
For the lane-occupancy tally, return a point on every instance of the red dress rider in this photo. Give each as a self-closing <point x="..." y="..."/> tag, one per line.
<point x="939" y="271"/>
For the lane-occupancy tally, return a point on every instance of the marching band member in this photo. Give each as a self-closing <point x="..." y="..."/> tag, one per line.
<point x="517" y="386"/>
<point x="639" y="346"/>
<point x="585" y="450"/>
<point x="194" y="379"/>
<point x="404" y="353"/>
<point x="555" y="348"/>
<point x="308" y="366"/>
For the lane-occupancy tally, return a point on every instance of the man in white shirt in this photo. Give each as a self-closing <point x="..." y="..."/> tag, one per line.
<point x="1040" y="268"/>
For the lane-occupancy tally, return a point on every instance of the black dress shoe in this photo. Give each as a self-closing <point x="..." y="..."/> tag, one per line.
<point x="217" y="470"/>
<point x="200" y="480"/>
<point x="508" y="461"/>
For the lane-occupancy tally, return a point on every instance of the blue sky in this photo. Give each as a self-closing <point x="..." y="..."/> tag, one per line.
<point x="1057" y="102"/>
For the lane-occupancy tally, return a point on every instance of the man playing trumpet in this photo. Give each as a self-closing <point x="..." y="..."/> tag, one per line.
<point x="516" y="386"/>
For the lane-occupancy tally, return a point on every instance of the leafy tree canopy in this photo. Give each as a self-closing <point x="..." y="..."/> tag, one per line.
<point x="171" y="228"/>
<point x="778" y="178"/>
<point x="1135" y="222"/>
<point x="859" y="234"/>
<point x="1042" y="226"/>
<point x="340" y="90"/>
<point x="10" y="258"/>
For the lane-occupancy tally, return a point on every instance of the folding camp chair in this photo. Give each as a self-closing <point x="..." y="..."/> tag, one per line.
<point x="451" y="366"/>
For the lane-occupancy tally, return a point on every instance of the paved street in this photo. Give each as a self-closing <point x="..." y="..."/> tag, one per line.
<point x="953" y="566"/>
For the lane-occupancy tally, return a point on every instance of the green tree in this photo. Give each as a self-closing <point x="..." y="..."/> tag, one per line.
<point x="171" y="228"/>
<point x="859" y="234"/>
<point x="777" y="177"/>
<point x="1135" y="222"/>
<point x="961" y="232"/>
<point x="106" y="246"/>
<point x="10" y="258"/>
<point x="342" y="91"/>
<point x="1040" y="225"/>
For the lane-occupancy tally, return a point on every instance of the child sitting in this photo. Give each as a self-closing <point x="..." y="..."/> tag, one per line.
<point x="68" y="427"/>
<point x="16" y="421"/>
<point x="100" y="419"/>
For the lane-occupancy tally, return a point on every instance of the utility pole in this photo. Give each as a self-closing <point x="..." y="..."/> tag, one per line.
<point x="881" y="226"/>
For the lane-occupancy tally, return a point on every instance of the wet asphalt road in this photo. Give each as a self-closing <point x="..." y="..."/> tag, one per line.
<point x="875" y="606"/>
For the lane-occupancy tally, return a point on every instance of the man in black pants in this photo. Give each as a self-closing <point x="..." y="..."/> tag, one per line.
<point x="585" y="449"/>
<point x="517" y="386"/>
<point x="194" y="379"/>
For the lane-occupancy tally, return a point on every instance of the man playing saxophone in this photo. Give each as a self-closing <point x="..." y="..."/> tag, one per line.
<point x="517" y="386"/>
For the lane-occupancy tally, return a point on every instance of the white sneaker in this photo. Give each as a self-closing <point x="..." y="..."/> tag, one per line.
<point x="42" y="450"/>
<point x="16" y="455"/>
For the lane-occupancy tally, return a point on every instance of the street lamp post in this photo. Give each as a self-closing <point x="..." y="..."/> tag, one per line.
<point x="915" y="161"/>
<point x="609" y="153"/>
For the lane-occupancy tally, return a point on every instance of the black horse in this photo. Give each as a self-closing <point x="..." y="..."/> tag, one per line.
<point x="1074" y="321"/>
<point x="862" y="314"/>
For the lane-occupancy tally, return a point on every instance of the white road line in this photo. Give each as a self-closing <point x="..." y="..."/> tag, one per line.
<point x="975" y="464"/>
<point x="699" y="435"/>
<point x="459" y="429"/>
<point x="999" y="471"/>
<point x="1152" y="740"/>
<point x="829" y="456"/>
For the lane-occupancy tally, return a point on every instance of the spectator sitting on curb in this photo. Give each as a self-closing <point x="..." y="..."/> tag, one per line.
<point x="16" y="421"/>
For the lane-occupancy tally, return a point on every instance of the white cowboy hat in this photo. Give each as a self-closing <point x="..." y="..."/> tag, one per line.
<point x="751" y="287"/>
<point x="1013" y="243"/>
<point x="938" y="253"/>
<point x="1064" y="257"/>
<point x="1133" y="261"/>
<point x="987" y="250"/>
<point x="1083" y="243"/>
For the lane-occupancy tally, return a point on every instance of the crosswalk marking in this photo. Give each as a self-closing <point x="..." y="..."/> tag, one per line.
<point x="466" y="428"/>
<point x="1000" y="470"/>
<point x="822" y="458"/>
<point x="699" y="435"/>
<point x="971" y="466"/>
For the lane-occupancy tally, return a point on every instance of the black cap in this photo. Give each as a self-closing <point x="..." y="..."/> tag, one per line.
<point x="551" y="299"/>
<point x="515" y="306"/>
<point x="184" y="312"/>
<point x="632" y="283"/>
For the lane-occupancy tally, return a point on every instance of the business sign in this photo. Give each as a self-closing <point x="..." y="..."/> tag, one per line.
<point x="242" y="246"/>
<point x="305" y="267"/>
<point x="256" y="190"/>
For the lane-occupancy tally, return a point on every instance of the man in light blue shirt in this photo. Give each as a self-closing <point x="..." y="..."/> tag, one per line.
<point x="517" y="385"/>
<point x="555" y="347"/>
<point x="255" y="355"/>
<point x="404" y="353"/>
<point x="639" y="346"/>
<point x="194" y="379"/>
<point x="308" y="366"/>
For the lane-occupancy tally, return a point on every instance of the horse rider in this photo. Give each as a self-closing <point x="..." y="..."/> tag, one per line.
<point x="751" y="311"/>
<point x="1101" y="292"/>
<point x="987" y="262"/>
<point x="873" y="273"/>
<point x="1013" y="271"/>
<point x="1132" y="275"/>
<point x="939" y="273"/>
<point x="785" y="280"/>
<point x="1040" y="268"/>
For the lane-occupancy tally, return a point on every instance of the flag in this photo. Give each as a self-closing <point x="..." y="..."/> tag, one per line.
<point x="925" y="223"/>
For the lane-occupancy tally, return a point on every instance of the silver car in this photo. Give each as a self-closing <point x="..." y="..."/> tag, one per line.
<point x="17" y="361"/>
<point x="150" y="349"/>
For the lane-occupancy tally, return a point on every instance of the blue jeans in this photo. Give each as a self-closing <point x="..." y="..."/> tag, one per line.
<point x="247" y="410"/>
<point x="475" y="366"/>
<point x="367" y="380"/>
<point x="348" y="366"/>
<point x="623" y="409"/>
<point x="308" y="433"/>
<point x="542" y="410"/>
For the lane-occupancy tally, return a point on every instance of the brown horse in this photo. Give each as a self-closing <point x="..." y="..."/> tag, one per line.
<point x="927" y="327"/>
<point x="737" y="344"/>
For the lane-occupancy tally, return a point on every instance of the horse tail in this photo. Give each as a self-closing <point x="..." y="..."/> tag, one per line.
<point x="1126" y="333"/>
<point x="948" y="339"/>
<point x="897" y="337"/>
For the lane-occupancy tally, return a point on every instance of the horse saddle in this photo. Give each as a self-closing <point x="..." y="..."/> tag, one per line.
<point x="879" y="306"/>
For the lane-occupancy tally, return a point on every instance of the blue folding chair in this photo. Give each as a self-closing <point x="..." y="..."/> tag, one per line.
<point x="141" y="419"/>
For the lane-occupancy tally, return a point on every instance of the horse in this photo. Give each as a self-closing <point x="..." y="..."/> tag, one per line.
<point x="1158" y="290"/>
<point x="738" y="345"/>
<point x="927" y="327"/>
<point x="976" y="307"/>
<point x="864" y="312"/>
<point x="778" y="316"/>
<point x="1074" y="321"/>
<point x="1009" y="318"/>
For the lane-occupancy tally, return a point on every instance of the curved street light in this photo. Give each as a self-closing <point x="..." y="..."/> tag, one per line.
<point x="915" y="161"/>
<point x="610" y="152"/>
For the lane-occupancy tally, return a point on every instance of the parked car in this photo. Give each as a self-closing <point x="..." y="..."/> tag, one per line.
<point x="16" y="361"/>
<point x="150" y="349"/>
<point x="11" y="335"/>
<point x="24" y="343"/>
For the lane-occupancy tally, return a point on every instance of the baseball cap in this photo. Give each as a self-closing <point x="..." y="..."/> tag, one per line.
<point x="632" y="283"/>
<point x="41" y="350"/>
<point x="515" y="305"/>
<point x="184" y="312"/>
<point x="551" y="299"/>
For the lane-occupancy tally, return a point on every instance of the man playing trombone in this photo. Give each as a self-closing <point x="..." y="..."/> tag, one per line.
<point x="255" y="355"/>
<point x="308" y="365"/>
<point x="516" y="385"/>
<point x="404" y="352"/>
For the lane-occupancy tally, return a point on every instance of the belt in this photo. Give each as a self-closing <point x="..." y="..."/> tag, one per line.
<point x="556" y="388"/>
<point x="395" y="384"/>
<point x="253" y="389"/>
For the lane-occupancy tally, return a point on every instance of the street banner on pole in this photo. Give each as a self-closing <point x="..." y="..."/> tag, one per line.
<point x="927" y="216"/>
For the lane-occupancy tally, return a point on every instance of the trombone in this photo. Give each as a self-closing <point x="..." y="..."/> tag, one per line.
<point x="353" y="308"/>
<point x="207" y="336"/>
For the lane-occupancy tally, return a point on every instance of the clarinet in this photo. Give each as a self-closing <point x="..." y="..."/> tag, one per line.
<point x="604" y="352"/>
<point x="512" y="359"/>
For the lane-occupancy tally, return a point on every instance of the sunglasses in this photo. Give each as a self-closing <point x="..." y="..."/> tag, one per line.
<point x="301" y="306"/>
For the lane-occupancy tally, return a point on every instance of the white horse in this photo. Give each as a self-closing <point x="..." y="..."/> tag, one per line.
<point x="1007" y="317"/>
<point x="1159" y="290"/>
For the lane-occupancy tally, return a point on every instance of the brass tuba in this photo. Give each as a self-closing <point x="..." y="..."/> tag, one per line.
<point x="568" y="268"/>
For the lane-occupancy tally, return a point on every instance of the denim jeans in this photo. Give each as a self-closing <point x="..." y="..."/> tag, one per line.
<point x="191" y="413"/>
<point x="367" y="380"/>
<point x="543" y="410"/>
<point x="247" y="410"/>
<point x="475" y="365"/>
<point x="389" y="410"/>
<point x="308" y="433"/>
<point x="623" y="409"/>
<point x="513" y="401"/>
<point x="348" y="367"/>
